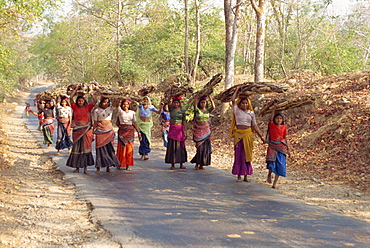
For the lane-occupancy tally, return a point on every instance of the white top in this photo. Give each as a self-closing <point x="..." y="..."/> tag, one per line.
<point x="64" y="112"/>
<point x="126" y="118"/>
<point x="244" y="118"/>
<point x="104" y="114"/>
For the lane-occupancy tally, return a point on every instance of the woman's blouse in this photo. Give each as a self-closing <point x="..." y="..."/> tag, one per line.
<point x="126" y="118"/>
<point x="104" y="114"/>
<point x="146" y="112"/>
<point x="81" y="113"/>
<point x="177" y="117"/>
<point x="202" y="116"/>
<point x="244" y="118"/>
<point x="64" y="112"/>
<point x="48" y="112"/>
<point x="277" y="132"/>
<point x="165" y="115"/>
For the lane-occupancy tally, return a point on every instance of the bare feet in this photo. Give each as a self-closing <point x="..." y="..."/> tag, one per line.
<point x="86" y="171"/>
<point x="58" y="153"/>
<point x="69" y="151"/>
<point x="239" y="179"/>
<point x="97" y="170"/>
<point x="108" y="170"/>
<point x="172" y="167"/>
<point x="201" y="167"/>
<point x="182" y="167"/>
<point x="269" y="177"/>
<point x="146" y="158"/>
<point x="273" y="186"/>
<point x="76" y="170"/>
<point x="196" y="167"/>
<point x="127" y="168"/>
<point x="246" y="179"/>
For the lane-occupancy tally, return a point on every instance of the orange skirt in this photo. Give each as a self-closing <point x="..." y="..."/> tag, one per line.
<point x="125" y="154"/>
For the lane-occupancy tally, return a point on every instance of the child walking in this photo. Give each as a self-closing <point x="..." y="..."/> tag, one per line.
<point x="278" y="147"/>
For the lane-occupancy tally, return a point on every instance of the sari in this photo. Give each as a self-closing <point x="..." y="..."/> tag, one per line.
<point x="47" y="128"/>
<point x="105" y="153"/>
<point x="125" y="147"/>
<point x="201" y="137"/>
<point x="81" y="155"/>
<point x="145" y="131"/>
<point x="276" y="157"/>
<point x="176" y="149"/>
<point x="243" y="147"/>
<point x="63" y="134"/>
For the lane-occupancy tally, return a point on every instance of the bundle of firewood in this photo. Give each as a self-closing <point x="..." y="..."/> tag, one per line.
<point x="146" y="90"/>
<point x="178" y="90"/>
<point x="209" y="87"/>
<point x="250" y="88"/>
<point x="104" y="90"/>
<point x="285" y="104"/>
<point x="45" y="95"/>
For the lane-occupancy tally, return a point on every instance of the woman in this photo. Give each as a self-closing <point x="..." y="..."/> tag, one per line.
<point x="165" y="124"/>
<point x="64" y="117"/>
<point x="127" y="125"/>
<point x="104" y="135"/>
<point x="46" y="116"/>
<point x="82" y="135"/>
<point x="176" y="150"/>
<point x="40" y="116"/>
<point x="242" y="127"/>
<point x="202" y="132"/>
<point x="278" y="147"/>
<point x="145" y="123"/>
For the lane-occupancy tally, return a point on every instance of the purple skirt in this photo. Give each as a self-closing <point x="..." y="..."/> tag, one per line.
<point x="241" y="167"/>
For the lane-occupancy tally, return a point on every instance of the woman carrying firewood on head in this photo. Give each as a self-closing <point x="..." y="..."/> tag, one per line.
<point x="176" y="150"/>
<point x="82" y="136"/>
<point x="145" y="123"/>
<point x="202" y="132"/>
<point x="64" y="117"/>
<point x="242" y="127"/>
<point x="104" y="135"/>
<point x="47" y="126"/>
<point x="127" y="125"/>
<point x="277" y="147"/>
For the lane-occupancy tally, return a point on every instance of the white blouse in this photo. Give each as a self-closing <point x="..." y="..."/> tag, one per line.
<point x="64" y="112"/>
<point x="244" y="118"/>
<point x="126" y="118"/>
<point x="104" y="114"/>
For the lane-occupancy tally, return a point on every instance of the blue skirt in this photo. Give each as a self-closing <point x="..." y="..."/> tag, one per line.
<point x="144" y="148"/>
<point x="279" y="166"/>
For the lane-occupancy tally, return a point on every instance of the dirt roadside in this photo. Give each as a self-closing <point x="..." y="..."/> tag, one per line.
<point x="37" y="207"/>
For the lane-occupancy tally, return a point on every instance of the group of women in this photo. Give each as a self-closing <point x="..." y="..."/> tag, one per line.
<point x="173" y="122"/>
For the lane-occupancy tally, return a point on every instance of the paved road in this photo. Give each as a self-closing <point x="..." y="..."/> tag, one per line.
<point x="152" y="206"/>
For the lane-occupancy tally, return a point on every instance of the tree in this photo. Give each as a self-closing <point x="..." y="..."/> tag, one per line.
<point x="259" y="61"/>
<point x="231" y="26"/>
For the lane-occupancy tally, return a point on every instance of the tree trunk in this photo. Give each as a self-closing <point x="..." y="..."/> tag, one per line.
<point x="259" y="62"/>
<point x="197" y="52"/>
<point x="186" y="44"/>
<point x="231" y="27"/>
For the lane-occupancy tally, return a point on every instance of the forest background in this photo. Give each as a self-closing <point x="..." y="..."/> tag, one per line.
<point x="140" y="42"/>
